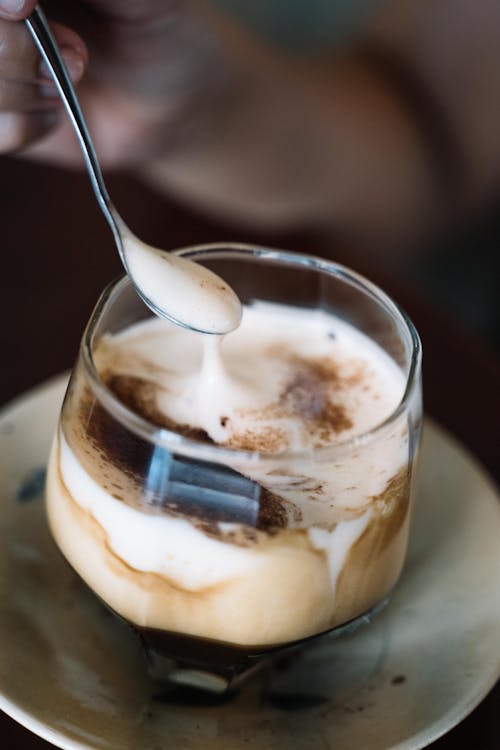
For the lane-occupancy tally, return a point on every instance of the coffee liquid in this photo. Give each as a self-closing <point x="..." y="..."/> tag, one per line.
<point x="247" y="552"/>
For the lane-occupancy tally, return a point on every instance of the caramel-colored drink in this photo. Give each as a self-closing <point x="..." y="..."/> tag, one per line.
<point x="288" y="526"/>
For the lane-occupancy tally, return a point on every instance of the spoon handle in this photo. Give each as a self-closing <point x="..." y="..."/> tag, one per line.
<point x="40" y="30"/>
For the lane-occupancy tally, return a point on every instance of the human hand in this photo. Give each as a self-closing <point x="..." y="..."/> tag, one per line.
<point x="29" y="107"/>
<point x="139" y="71"/>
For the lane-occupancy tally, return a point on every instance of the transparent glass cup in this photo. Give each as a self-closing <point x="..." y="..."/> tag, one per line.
<point x="275" y="587"/>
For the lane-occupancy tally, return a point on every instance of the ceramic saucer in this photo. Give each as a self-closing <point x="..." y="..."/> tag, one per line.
<point x="72" y="674"/>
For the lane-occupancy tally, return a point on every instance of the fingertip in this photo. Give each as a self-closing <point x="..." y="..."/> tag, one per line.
<point x="16" y="10"/>
<point x="74" y="61"/>
<point x="19" y="130"/>
<point x="73" y="50"/>
<point x="69" y="39"/>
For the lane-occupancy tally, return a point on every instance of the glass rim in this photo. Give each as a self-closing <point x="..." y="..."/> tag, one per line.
<point x="175" y="442"/>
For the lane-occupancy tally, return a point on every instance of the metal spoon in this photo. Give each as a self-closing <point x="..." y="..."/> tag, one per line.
<point x="173" y="287"/>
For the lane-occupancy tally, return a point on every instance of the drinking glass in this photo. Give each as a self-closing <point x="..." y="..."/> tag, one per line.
<point x="253" y="590"/>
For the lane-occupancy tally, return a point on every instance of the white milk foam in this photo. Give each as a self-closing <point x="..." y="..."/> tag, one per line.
<point x="277" y="372"/>
<point x="239" y="380"/>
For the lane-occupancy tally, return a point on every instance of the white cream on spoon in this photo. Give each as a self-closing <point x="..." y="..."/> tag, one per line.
<point x="180" y="289"/>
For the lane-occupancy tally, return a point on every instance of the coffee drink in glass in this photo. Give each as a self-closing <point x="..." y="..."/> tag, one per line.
<point x="232" y="498"/>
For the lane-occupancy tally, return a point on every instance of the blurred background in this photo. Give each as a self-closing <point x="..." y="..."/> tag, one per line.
<point x="433" y="245"/>
<point x="455" y="48"/>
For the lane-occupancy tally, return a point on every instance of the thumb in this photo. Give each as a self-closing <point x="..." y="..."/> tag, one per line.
<point x="15" y="10"/>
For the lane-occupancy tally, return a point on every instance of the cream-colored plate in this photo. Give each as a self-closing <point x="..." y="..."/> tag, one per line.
<point x="72" y="674"/>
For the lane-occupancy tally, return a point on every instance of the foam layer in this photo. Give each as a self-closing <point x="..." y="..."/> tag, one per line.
<point x="287" y="379"/>
<point x="330" y="535"/>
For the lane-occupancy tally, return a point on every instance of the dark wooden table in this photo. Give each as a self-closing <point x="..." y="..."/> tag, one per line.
<point x="59" y="255"/>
